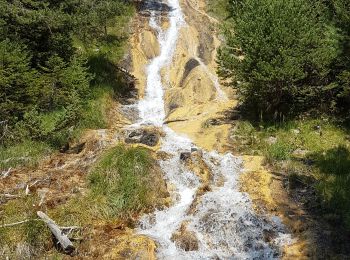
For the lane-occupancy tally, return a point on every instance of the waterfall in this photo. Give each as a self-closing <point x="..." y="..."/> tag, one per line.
<point x="223" y="221"/>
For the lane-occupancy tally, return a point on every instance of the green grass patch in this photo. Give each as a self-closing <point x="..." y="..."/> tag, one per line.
<point x="27" y="153"/>
<point x="218" y="8"/>
<point x="120" y="182"/>
<point x="324" y="163"/>
<point x="279" y="151"/>
<point x="27" y="240"/>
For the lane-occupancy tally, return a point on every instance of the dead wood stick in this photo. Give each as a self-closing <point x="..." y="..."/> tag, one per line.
<point x="16" y="223"/>
<point x="62" y="239"/>
<point x="10" y="196"/>
<point x="5" y="174"/>
<point x="19" y="223"/>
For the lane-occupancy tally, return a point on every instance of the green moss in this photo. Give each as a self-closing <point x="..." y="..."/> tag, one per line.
<point x="218" y="8"/>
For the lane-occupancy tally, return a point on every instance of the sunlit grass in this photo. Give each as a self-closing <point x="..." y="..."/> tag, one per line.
<point x="27" y="153"/>
<point x="325" y="163"/>
<point x="121" y="181"/>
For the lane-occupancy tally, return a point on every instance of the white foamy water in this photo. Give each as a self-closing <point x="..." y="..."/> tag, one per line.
<point x="223" y="220"/>
<point x="152" y="106"/>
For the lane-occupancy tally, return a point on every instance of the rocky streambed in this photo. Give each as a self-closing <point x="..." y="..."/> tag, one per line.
<point x="182" y="113"/>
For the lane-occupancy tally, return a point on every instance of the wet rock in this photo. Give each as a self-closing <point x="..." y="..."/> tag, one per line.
<point x="150" y="139"/>
<point x="269" y="235"/>
<point x="161" y="155"/>
<point x="185" y="239"/>
<point x="64" y="148"/>
<point x="185" y="156"/>
<point x="143" y="136"/>
<point x="72" y="150"/>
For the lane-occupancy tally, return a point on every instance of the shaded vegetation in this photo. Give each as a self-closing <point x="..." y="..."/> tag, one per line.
<point x="334" y="183"/>
<point x="57" y="71"/>
<point x="289" y="62"/>
<point x="287" y="57"/>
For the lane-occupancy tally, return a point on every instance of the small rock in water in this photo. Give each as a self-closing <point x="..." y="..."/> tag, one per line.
<point x="143" y="136"/>
<point x="150" y="139"/>
<point x="185" y="156"/>
<point x="194" y="149"/>
<point x="185" y="239"/>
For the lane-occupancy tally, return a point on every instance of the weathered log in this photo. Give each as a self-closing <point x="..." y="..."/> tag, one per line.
<point x="62" y="238"/>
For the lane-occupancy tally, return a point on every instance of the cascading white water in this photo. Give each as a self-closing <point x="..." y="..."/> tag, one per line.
<point x="152" y="106"/>
<point x="223" y="221"/>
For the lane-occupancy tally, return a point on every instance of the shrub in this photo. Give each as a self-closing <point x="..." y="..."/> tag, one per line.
<point x="280" y="52"/>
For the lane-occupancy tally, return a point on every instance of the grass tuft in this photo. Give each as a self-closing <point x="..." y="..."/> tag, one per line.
<point x="120" y="181"/>
<point x="27" y="153"/>
<point x="279" y="151"/>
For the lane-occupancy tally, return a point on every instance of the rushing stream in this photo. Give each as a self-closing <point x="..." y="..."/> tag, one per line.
<point x="223" y="221"/>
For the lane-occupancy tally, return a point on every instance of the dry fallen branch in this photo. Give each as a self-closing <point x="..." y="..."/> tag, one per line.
<point x="19" y="223"/>
<point x="5" y="174"/>
<point x="10" y="196"/>
<point x="15" y="223"/>
<point x="56" y="231"/>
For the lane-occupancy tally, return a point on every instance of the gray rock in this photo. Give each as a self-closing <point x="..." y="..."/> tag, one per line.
<point x="185" y="156"/>
<point x="143" y="136"/>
